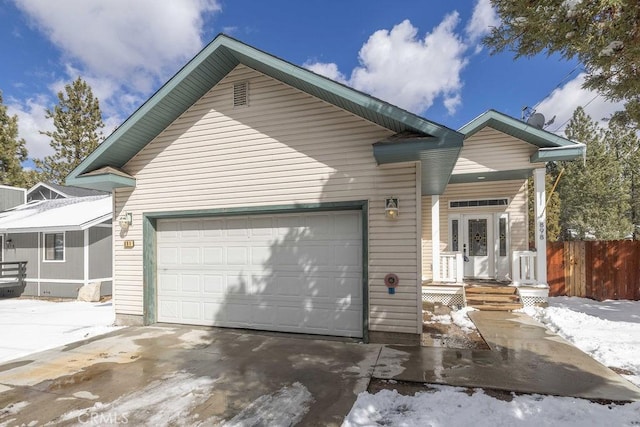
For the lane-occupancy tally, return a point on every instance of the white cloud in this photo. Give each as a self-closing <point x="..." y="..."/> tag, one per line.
<point x="134" y="42"/>
<point x="483" y="18"/>
<point x="32" y="120"/>
<point x="411" y="72"/>
<point x="564" y="100"/>
<point x="329" y="70"/>
<point x="123" y="49"/>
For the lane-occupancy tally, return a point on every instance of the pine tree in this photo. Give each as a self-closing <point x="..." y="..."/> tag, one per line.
<point x="594" y="195"/>
<point x="78" y="123"/>
<point x="13" y="150"/>
<point x="601" y="34"/>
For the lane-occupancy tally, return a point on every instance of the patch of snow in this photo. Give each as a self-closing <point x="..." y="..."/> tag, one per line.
<point x="286" y="407"/>
<point x="611" y="48"/>
<point x="452" y="406"/>
<point x="13" y="408"/>
<point x="461" y="318"/>
<point x="30" y="326"/>
<point x="85" y="395"/>
<point x="166" y="402"/>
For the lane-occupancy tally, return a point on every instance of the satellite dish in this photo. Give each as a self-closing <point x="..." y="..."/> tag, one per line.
<point x="536" y="120"/>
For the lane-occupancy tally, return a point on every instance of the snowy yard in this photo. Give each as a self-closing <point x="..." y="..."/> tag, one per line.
<point x="609" y="331"/>
<point x="29" y="326"/>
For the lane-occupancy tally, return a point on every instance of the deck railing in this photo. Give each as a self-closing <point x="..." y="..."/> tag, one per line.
<point x="524" y="268"/>
<point x="12" y="278"/>
<point x="451" y="267"/>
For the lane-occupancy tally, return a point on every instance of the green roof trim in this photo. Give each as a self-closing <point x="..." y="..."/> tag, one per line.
<point x="558" y="154"/>
<point x="467" y="178"/>
<point x="521" y="130"/>
<point x="208" y="68"/>
<point x="437" y="157"/>
<point x="103" y="182"/>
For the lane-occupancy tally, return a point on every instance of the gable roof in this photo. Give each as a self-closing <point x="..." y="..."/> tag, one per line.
<point x="65" y="190"/>
<point x="202" y="73"/>
<point x="551" y="146"/>
<point x="73" y="213"/>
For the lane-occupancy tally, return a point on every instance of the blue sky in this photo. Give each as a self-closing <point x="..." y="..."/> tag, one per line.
<point x="424" y="56"/>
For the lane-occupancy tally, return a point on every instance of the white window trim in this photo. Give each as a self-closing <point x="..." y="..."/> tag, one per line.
<point x="480" y="208"/>
<point x="2" y="240"/>
<point x="64" y="247"/>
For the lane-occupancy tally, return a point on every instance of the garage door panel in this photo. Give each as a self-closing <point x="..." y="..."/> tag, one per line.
<point x="213" y="285"/>
<point x="291" y="273"/>
<point x="213" y="255"/>
<point x="189" y="256"/>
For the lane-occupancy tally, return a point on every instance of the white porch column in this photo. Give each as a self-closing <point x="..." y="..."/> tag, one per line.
<point x="435" y="236"/>
<point x="540" y="224"/>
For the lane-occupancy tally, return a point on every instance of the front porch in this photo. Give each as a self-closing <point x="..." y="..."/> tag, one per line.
<point x="452" y="289"/>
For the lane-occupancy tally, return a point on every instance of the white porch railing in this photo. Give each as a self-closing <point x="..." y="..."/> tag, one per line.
<point x="524" y="268"/>
<point x="451" y="267"/>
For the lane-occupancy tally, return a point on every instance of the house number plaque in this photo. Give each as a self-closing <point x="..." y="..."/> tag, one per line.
<point x="128" y="244"/>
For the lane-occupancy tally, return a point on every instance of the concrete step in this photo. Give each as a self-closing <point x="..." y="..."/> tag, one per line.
<point x="492" y="298"/>
<point x="496" y="307"/>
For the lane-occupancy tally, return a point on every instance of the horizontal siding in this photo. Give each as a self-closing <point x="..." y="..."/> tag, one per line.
<point x="515" y="191"/>
<point x="286" y="148"/>
<point x="490" y="150"/>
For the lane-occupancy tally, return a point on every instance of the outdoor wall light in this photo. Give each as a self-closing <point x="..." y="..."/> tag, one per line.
<point x="391" y="210"/>
<point x="125" y="220"/>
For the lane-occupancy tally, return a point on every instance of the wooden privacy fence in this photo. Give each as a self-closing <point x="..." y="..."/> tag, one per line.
<point x="592" y="269"/>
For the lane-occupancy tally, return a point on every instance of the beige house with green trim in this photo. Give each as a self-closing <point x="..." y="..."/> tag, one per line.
<point x="252" y="193"/>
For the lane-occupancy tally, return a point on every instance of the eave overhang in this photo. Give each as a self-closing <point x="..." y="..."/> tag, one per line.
<point x="558" y="154"/>
<point x="107" y="181"/>
<point x="437" y="157"/>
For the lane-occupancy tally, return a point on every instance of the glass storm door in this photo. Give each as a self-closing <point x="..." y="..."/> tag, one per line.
<point x="478" y="246"/>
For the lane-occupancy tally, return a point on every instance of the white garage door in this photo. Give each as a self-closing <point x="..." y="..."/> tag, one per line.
<point x="290" y="272"/>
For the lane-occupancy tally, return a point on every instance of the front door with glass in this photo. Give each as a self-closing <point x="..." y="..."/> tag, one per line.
<point x="478" y="246"/>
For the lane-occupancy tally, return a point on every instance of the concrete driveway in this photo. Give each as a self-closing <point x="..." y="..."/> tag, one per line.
<point x="174" y="375"/>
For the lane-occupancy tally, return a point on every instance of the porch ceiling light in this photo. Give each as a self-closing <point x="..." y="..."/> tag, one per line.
<point x="391" y="210"/>
<point x="125" y="220"/>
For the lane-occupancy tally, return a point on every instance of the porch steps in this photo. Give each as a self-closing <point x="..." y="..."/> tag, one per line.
<point x="493" y="298"/>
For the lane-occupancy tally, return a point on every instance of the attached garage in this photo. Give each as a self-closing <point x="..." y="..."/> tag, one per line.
<point x="284" y="272"/>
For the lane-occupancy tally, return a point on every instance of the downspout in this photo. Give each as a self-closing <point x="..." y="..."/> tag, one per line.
<point x="86" y="256"/>
<point x="39" y="259"/>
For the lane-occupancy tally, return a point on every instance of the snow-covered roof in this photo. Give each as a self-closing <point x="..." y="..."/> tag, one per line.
<point x="66" y="190"/>
<point x="74" y="213"/>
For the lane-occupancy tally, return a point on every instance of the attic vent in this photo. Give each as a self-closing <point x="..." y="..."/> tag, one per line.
<point x="241" y="94"/>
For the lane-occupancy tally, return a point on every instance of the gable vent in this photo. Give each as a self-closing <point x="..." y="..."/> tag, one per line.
<point x="241" y="94"/>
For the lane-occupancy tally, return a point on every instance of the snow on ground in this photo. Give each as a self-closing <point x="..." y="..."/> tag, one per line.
<point x="30" y="326"/>
<point x="457" y="317"/>
<point x="609" y="331"/>
<point x="452" y="406"/>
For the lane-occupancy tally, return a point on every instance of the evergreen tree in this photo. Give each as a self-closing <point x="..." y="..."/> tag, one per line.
<point x="13" y="150"/>
<point x="594" y="195"/>
<point x="601" y="34"/>
<point x="78" y="123"/>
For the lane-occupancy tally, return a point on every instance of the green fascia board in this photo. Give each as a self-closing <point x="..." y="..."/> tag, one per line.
<point x="558" y="154"/>
<point x="210" y="66"/>
<point x="516" y="128"/>
<point x="437" y="157"/>
<point x="103" y="182"/>
<point x="467" y="178"/>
